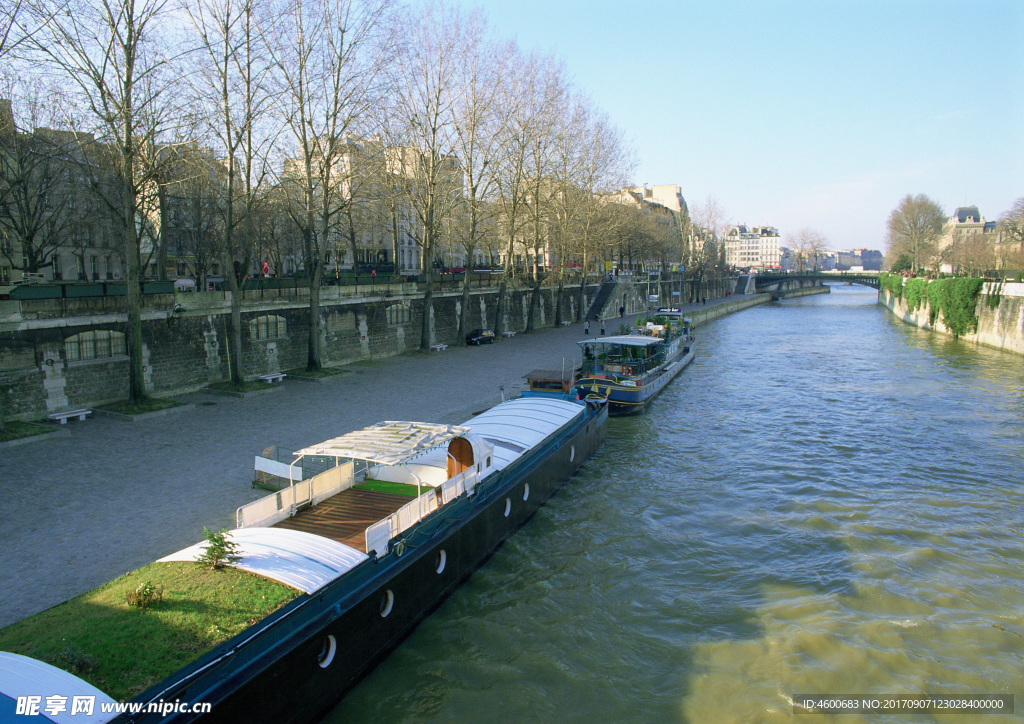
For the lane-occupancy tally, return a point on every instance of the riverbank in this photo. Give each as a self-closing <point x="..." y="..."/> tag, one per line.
<point x="1000" y="316"/>
<point x="112" y="497"/>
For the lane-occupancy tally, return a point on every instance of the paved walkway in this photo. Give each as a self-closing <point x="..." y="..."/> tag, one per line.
<point x="79" y="511"/>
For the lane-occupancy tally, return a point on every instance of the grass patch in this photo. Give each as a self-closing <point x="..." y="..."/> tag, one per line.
<point x="150" y="404"/>
<point x="15" y="430"/>
<point x="383" y="486"/>
<point x="322" y="372"/>
<point x="123" y="650"/>
<point x="249" y="386"/>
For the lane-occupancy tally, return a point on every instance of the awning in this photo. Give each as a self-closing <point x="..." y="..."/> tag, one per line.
<point x="386" y="443"/>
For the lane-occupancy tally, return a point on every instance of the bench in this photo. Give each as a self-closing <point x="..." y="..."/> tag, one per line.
<point x="566" y="324"/>
<point x="439" y="347"/>
<point x="63" y="416"/>
<point x="273" y="377"/>
<point x="508" y="335"/>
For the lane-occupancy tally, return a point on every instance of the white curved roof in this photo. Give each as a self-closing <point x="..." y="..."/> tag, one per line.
<point x="24" y="676"/>
<point x="515" y="426"/>
<point x="301" y="560"/>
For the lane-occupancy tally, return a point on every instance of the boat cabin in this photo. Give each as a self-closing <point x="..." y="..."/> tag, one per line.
<point x="552" y="383"/>
<point x="628" y="355"/>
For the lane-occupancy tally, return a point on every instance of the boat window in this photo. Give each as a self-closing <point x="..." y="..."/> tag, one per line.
<point x="442" y="559"/>
<point x="387" y="602"/>
<point x="526" y="491"/>
<point x="508" y="506"/>
<point x="327" y="652"/>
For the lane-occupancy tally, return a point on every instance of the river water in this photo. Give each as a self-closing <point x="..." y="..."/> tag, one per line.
<point x="825" y="502"/>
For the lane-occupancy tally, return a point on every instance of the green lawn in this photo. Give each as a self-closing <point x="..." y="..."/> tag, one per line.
<point x="123" y="650"/>
<point x="15" y="430"/>
<point x="383" y="486"/>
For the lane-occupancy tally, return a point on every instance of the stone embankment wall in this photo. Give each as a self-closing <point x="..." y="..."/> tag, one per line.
<point x="185" y="337"/>
<point x="1001" y="327"/>
<point x="730" y="306"/>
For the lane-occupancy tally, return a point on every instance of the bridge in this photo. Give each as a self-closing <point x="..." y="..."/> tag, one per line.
<point x="868" y="279"/>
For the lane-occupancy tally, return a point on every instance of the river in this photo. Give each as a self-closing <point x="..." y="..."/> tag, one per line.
<point x="827" y="501"/>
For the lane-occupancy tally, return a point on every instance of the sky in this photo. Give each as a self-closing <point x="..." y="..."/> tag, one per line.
<point x="817" y="114"/>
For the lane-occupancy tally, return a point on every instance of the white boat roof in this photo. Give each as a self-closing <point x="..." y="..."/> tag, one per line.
<point x="628" y="340"/>
<point x="388" y="443"/>
<point x="25" y="676"/>
<point x="301" y="560"/>
<point x="515" y="426"/>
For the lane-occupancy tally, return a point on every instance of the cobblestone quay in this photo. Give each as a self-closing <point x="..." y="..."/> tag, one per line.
<point x="81" y="510"/>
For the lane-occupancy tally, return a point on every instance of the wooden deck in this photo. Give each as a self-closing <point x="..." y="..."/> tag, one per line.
<point x="346" y="516"/>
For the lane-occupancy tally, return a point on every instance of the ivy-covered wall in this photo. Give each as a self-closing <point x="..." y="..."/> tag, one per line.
<point x="965" y="308"/>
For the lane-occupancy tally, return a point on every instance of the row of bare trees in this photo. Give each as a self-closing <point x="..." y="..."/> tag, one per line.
<point x="340" y="115"/>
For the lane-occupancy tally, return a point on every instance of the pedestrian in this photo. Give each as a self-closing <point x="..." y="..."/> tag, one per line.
<point x="704" y="301"/>
<point x="622" y="312"/>
<point x="602" y="327"/>
<point x="586" y="328"/>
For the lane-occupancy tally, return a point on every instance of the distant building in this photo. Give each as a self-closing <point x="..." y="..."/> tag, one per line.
<point x="861" y="259"/>
<point x="966" y="222"/>
<point x="753" y="247"/>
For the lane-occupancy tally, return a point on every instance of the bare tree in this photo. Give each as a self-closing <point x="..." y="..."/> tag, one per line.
<point x="112" y="52"/>
<point x="1011" y="234"/>
<point x="37" y="197"/>
<point x="915" y="226"/>
<point x="232" y="82"/>
<point x="328" y="59"/>
<point x="426" y="83"/>
<point x="709" y="220"/>
<point x="480" y="120"/>
<point x="809" y="246"/>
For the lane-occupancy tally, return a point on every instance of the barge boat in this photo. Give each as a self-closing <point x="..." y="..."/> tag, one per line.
<point x="631" y="369"/>
<point x="378" y="541"/>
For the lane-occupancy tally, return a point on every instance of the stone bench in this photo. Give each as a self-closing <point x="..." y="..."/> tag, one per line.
<point x="508" y="335"/>
<point x="273" y="377"/>
<point x="566" y="324"/>
<point x="66" y="414"/>
<point x="438" y="347"/>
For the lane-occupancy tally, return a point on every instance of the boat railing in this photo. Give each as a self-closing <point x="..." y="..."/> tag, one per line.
<point x="274" y="508"/>
<point x="382" y="532"/>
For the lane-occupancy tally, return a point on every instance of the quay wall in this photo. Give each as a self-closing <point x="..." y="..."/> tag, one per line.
<point x="1001" y="327"/>
<point x="729" y="306"/>
<point x="801" y="292"/>
<point x="43" y="367"/>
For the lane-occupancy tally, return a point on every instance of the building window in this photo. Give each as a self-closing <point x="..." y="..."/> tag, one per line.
<point x="57" y="274"/>
<point x="97" y="344"/>
<point x="5" y="275"/>
<point x="269" y="326"/>
<point x="94" y="263"/>
<point x="399" y="313"/>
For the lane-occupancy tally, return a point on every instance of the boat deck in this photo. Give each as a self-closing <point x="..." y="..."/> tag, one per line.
<point x="346" y="516"/>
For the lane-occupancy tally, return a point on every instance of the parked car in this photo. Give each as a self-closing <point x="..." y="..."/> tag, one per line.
<point x="479" y="336"/>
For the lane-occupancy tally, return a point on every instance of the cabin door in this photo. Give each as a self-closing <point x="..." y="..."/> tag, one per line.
<point x="460" y="456"/>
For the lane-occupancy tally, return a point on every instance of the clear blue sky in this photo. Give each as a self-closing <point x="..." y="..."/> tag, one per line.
<point x="818" y="113"/>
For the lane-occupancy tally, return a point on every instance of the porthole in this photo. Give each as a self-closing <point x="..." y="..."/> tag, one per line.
<point x="327" y="651"/>
<point x="387" y="602"/>
<point x="508" y="506"/>
<point x="526" y="491"/>
<point x="442" y="558"/>
<point x="572" y="453"/>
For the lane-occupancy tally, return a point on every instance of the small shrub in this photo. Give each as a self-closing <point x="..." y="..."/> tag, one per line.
<point x="1017" y="278"/>
<point x="75" y="661"/>
<point x="144" y="595"/>
<point x="219" y="550"/>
